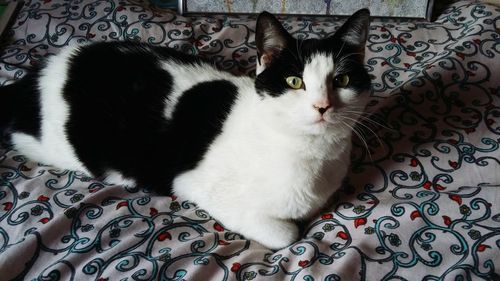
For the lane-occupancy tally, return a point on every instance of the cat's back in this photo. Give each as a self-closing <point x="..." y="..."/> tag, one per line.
<point x="127" y="110"/>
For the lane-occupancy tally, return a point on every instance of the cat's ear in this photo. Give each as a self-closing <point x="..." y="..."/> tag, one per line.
<point x="355" y="30"/>
<point x="270" y="38"/>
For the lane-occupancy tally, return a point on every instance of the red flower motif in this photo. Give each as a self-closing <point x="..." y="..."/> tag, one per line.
<point x="452" y="141"/>
<point x="427" y="185"/>
<point x="359" y="221"/>
<point x="482" y="247"/>
<point x="44" y="220"/>
<point x="477" y="41"/>
<point x="173" y="197"/>
<point x="453" y="164"/>
<point x="342" y="235"/>
<point x="153" y="211"/>
<point x="393" y="40"/>
<point x="102" y="279"/>
<point x="218" y="227"/>
<point x="164" y="235"/>
<point x="439" y="187"/>
<point x="413" y="162"/>
<point x="384" y="63"/>
<point x="327" y="216"/>
<point x="236" y="266"/>
<point x="303" y="263"/>
<point x="43" y="198"/>
<point x="90" y="35"/>
<point x="415" y="214"/>
<point x="121" y="204"/>
<point x="411" y="54"/>
<point x="446" y="220"/>
<point x="120" y="8"/>
<point x="7" y="206"/>
<point x="456" y="198"/>
<point x="407" y="65"/>
<point x="223" y="243"/>
<point x="490" y="122"/>
<point x="461" y="55"/>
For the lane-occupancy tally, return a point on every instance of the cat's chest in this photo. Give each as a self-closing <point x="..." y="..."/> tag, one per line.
<point x="278" y="178"/>
<point x="301" y="187"/>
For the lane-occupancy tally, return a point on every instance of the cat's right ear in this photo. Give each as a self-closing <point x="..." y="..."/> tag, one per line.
<point x="270" y="38"/>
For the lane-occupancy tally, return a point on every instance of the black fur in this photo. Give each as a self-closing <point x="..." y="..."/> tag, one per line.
<point x="21" y="110"/>
<point x="117" y="94"/>
<point x="289" y="54"/>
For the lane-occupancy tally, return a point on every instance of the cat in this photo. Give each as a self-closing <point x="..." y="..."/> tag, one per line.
<point x="256" y="153"/>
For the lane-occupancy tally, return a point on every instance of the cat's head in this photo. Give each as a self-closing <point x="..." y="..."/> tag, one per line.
<point x="312" y="86"/>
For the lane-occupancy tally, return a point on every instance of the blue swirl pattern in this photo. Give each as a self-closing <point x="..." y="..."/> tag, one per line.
<point x="420" y="201"/>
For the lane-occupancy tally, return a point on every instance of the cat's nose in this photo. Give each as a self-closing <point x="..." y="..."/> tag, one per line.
<point x="322" y="107"/>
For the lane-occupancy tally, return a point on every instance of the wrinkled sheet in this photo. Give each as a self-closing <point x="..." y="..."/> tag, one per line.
<point x="421" y="203"/>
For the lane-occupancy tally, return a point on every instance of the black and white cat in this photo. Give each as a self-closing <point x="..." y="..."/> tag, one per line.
<point x="255" y="153"/>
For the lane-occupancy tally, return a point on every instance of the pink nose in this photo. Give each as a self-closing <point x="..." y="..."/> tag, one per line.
<point x="322" y="106"/>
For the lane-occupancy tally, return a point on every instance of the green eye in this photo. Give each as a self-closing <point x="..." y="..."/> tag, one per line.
<point x="294" y="82"/>
<point x="342" y="81"/>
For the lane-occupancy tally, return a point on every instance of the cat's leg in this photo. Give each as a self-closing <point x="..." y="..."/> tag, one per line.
<point x="271" y="232"/>
<point x="113" y="177"/>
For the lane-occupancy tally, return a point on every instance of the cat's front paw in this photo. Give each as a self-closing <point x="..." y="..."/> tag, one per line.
<point x="275" y="233"/>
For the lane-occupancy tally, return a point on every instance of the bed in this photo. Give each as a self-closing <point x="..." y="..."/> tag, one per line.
<point x="421" y="200"/>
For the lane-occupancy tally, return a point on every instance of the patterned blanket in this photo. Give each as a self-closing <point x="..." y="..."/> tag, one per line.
<point x="421" y="200"/>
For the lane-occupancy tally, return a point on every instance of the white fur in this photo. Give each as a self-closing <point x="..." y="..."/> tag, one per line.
<point x="277" y="158"/>
<point x="115" y="177"/>
<point x="185" y="76"/>
<point x="53" y="147"/>
<point x="274" y="161"/>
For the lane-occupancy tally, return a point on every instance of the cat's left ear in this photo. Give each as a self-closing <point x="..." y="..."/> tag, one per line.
<point x="355" y="30"/>
<point x="271" y="38"/>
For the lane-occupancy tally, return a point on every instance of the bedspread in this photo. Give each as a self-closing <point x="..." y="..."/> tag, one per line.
<point x="421" y="200"/>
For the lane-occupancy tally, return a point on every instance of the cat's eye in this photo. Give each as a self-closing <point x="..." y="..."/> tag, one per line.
<point x="294" y="82"/>
<point x="341" y="81"/>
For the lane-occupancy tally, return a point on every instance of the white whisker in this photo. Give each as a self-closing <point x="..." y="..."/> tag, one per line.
<point x="367" y="118"/>
<point x="361" y="124"/>
<point x="340" y="51"/>
<point x="360" y="137"/>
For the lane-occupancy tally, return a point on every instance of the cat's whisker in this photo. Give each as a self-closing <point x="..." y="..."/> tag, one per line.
<point x="363" y="116"/>
<point x="369" y="129"/>
<point x="360" y="137"/>
<point x="343" y="65"/>
<point x="340" y="51"/>
<point x="349" y="55"/>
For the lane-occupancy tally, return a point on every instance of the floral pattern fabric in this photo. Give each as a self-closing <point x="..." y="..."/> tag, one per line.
<point x="421" y="200"/>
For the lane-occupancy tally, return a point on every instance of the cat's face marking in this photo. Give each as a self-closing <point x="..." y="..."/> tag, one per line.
<point x="333" y="82"/>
